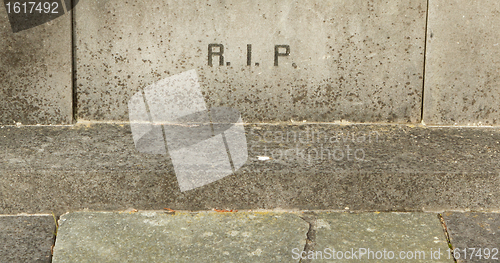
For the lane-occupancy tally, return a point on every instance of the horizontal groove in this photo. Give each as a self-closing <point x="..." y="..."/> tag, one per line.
<point x="411" y="125"/>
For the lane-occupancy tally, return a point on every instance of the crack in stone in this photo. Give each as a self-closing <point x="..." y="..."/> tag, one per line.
<point x="310" y="218"/>
<point x="446" y="235"/>
<point x="56" y="228"/>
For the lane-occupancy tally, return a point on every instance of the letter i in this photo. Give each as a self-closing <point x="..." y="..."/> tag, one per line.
<point x="249" y="54"/>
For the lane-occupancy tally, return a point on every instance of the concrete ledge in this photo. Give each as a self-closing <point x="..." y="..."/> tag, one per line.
<point x="404" y="168"/>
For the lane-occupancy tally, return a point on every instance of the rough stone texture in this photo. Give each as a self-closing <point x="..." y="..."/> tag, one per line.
<point x="361" y="62"/>
<point x="474" y="230"/>
<point x="35" y="73"/>
<point x="396" y="232"/>
<point x="26" y="238"/>
<point x="183" y="237"/>
<point x="461" y="80"/>
<point x="408" y="168"/>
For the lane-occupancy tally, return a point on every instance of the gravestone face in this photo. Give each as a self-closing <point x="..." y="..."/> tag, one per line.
<point x="35" y="64"/>
<point x="463" y="58"/>
<point x="270" y="60"/>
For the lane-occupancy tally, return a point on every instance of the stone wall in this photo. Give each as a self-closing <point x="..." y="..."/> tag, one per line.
<point x="274" y="61"/>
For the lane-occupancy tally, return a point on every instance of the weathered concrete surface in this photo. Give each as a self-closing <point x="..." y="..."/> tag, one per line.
<point x="361" y="62"/>
<point x="461" y="80"/>
<point x="35" y="72"/>
<point x="417" y="235"/>
<point x="474" y="230"/>
<point x="183" y="237"/>
<point x="26" y="238"/>
<point x="407" y="168"/>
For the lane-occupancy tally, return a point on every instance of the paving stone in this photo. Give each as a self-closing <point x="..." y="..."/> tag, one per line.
<point x="360" y="62"/>
<point x="461" y="80"/>
<point x="183" y="237"/>
<point x="474" y="231"/>
<point x="35" y="69"/>
<point x="407" y="168"/>
<point x="26" y="238"/>
<point x="378" y="237"/>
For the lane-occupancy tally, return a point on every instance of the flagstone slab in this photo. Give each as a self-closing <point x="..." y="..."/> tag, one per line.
<point x="26" y="238"/>
<point x="378" y="237"/>
<point x="179" y="237"/>
<point x="475" y="237"/>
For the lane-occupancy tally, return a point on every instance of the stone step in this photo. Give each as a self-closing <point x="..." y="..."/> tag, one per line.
<point x="319" y="166"/>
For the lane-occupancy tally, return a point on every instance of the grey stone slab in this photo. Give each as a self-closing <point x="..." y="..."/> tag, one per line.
<point x="378" y="237"/>
<point x="461" y="79"/>
<point x="474" y="231"/>
<point x="35" y="69"/>
<point x="406" y="168"/>
<point x="360" y="62"/>
<point x="26" y="238"/>
<point x="183" y="237"/>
